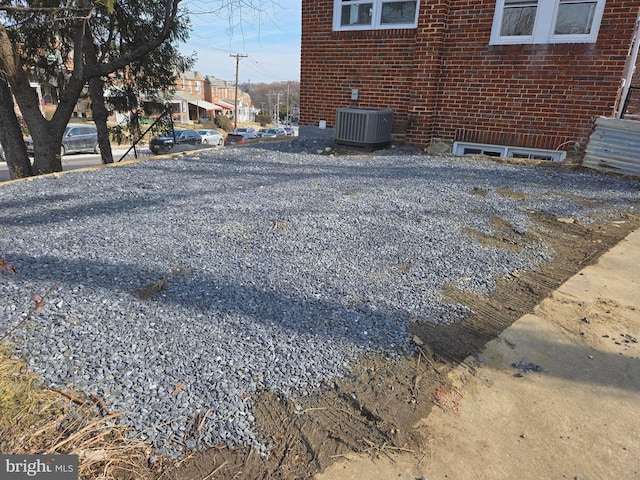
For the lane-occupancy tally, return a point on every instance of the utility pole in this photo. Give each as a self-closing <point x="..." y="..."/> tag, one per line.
<point x="238" y="56"/>
<point x="288" y="107"/>
<point x="269" y="96"/>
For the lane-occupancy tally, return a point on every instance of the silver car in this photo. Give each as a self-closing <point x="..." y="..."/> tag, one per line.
<point x="273" y="133"/>
<point x="211" y="137"/>
<point x="248" y="132"/>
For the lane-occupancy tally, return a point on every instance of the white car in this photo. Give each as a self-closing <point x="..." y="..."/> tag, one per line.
<point x="211" y="137"/>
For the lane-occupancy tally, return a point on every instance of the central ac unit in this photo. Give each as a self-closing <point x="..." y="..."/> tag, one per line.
<point x="364" y="127"/>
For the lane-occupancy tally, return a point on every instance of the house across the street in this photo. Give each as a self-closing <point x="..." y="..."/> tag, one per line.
<point x="521" y="78"/>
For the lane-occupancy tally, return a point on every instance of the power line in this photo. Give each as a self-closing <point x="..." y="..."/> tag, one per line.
<point x="262" y="69"/>
<point x="238" y="56"/>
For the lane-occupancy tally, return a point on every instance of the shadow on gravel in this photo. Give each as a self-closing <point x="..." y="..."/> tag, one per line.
<point x="208" y="176"/>
<point x="215" y="298"/>
<point x="181" y="245"/>
<point x="219" y="178"/>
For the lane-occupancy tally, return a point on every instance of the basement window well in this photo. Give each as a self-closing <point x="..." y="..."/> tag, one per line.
<point x="463" y="148"/>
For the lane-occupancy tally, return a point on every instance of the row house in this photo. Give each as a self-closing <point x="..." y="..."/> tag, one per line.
<point x="500" y="77"/>
<point x="225" y="92"/>
<point x="196" y="98"/>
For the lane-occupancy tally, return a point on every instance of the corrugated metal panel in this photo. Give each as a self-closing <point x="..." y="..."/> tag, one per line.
<point x="614" y="146"/>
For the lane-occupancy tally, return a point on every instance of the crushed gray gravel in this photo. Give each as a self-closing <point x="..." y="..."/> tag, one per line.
<point x="182" y="286"/>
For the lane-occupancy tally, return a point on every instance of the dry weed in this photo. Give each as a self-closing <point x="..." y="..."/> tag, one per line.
<point x="36" y="420"/>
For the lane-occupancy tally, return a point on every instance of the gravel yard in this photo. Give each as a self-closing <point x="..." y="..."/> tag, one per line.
<point x="180" y="288"/>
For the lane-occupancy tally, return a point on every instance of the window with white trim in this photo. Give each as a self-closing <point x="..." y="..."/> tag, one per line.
<point x="374" y="14"/>
<point x="546" y="21"/>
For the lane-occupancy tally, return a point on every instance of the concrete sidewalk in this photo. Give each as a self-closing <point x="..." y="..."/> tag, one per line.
<point x="578" y="417"/>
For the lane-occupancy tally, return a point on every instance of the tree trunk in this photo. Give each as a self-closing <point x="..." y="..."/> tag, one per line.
<point x="43" y="133"/>
<point x="100" y="114"/>
<point x="15" y="151"/>
<point x="47" y="134"/>
<point x="46" y="151"/>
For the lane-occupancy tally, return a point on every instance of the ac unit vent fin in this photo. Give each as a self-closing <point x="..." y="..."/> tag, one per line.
<point x="364" y="127"/>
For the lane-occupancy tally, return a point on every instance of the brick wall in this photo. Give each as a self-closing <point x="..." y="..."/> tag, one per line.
<point x="378" y="63"/>
<point x="444" y="80"/>
<point x="191" y="83"/>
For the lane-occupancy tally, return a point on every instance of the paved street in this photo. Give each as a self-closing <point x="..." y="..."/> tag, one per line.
<point x="81" y="160"/>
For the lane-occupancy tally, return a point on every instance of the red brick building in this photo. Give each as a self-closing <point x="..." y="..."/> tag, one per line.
<point x="529" y="74"/>
<point x="195" y="97"/>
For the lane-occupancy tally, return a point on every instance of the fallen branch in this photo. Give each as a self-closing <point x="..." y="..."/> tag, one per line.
<point x="68" y="395"/>
<point x="100" y="403"/>
<point x="215" y="471"/>
<point x="429" y="360"/>
<point x="79" y="401"/>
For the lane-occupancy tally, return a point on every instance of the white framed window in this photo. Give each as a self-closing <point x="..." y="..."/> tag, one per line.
<point x="374" y="14"/>
<point x="479" y="149"/>
<point x="546" y="21"/>
<point x="536" y="154"/>
<point x="505" y="151"/>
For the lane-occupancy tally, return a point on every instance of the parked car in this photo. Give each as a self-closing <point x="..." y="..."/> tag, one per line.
<point x="165" y="142"/>
<point x="234" y="139"/>
<point x="248" y="132"/>
<point x="273" y="133"/>
<point x="260" y="132"/>
<point x="77" y="138"/>
<point x="211" y="137"/>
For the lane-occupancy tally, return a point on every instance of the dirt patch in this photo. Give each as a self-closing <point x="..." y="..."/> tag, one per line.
<point x="576" y="245"/>
<point x="506" y="238"/>
<point x="375" y="411"/>
<point x="371" y="412"/>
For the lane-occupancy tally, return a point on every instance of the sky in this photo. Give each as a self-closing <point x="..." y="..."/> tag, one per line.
<point x="267" y="31"/>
